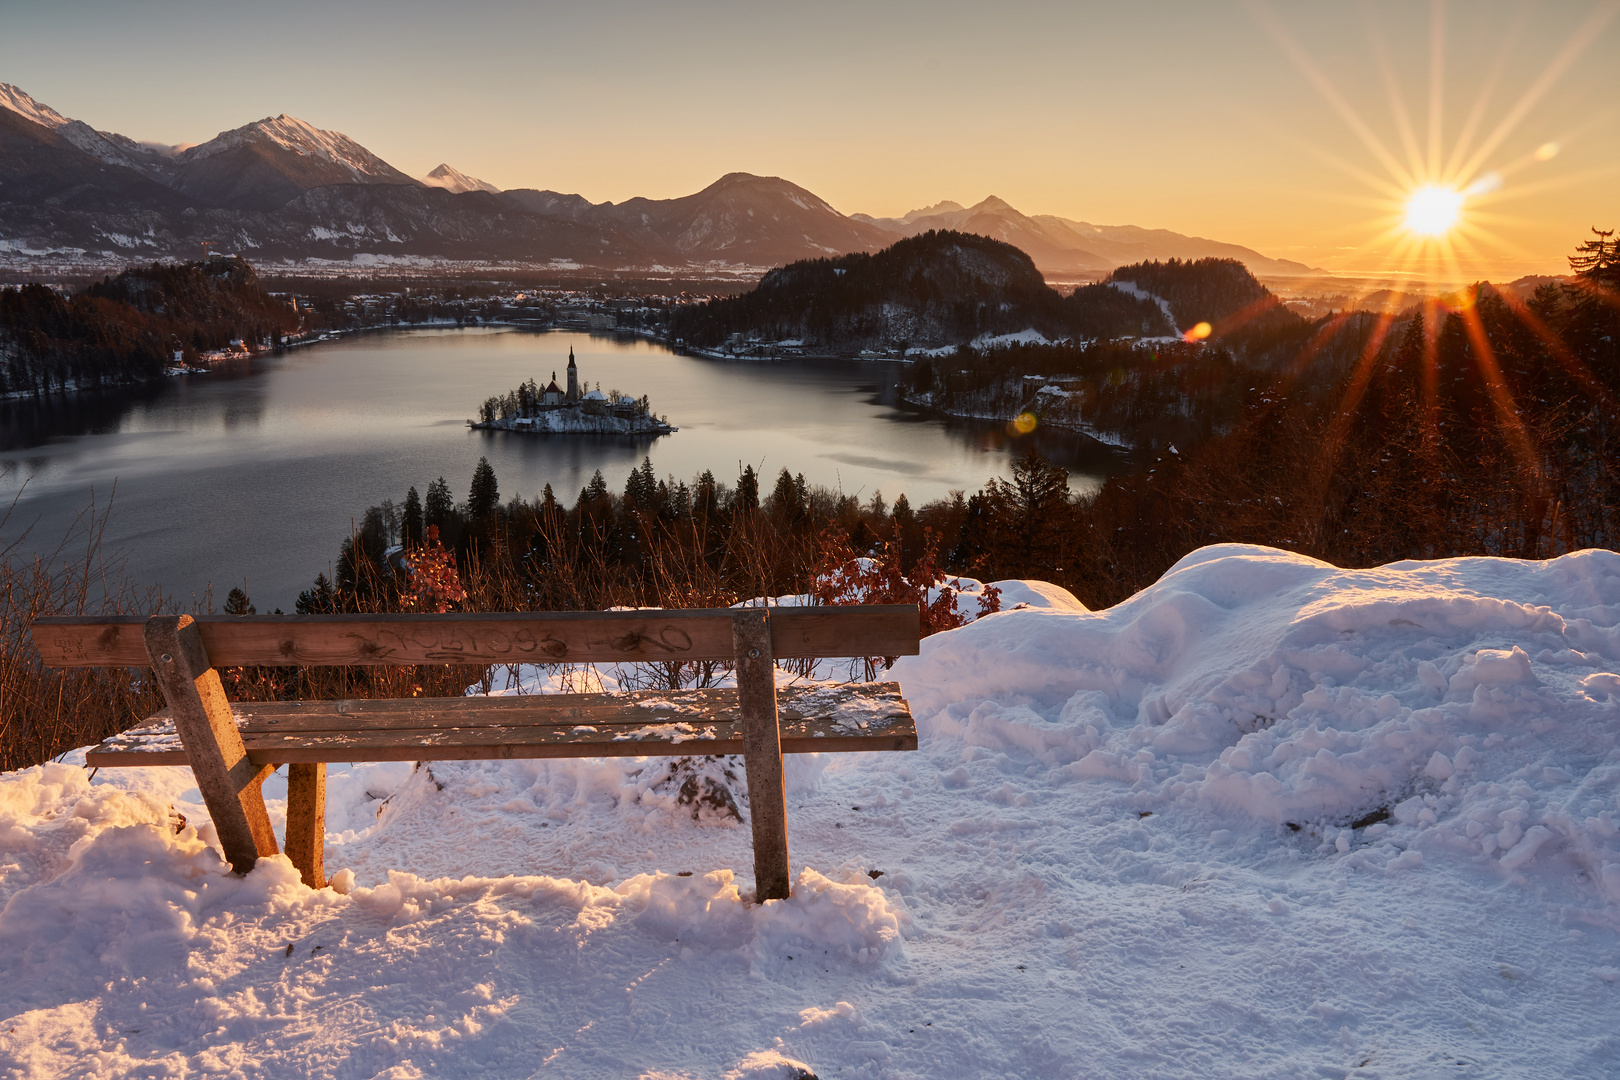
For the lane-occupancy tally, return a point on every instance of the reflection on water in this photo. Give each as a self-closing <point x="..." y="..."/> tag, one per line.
<point x="256" y="472"/>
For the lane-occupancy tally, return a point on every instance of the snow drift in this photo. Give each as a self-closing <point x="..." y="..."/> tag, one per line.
<point x="1266" y="818"/>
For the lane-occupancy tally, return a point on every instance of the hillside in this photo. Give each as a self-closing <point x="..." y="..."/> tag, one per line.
<point x="940" y="288"/>
<point x="949" y="288"/>
<point x="127" y="329"/>
<point x="1221" y="292"/>
<point x="1266" y="818"/>
<point x="45" y="175"/>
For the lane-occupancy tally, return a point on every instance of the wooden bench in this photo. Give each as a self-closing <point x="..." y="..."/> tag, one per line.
<point x="232" y="747"/>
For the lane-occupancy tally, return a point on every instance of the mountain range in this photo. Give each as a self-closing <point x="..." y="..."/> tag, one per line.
<point x="282" y="189"/>
<point x="1063" y="246"/>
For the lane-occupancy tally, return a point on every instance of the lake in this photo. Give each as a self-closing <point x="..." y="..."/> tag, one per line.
<point x="253" y="473"/>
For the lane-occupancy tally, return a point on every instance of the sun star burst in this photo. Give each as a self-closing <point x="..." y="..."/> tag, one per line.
<point x="1433" y="210"/>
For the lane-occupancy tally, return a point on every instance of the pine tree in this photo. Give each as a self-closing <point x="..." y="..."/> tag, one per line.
<point x="642" y="487"/>
<point x="783" y="503"/>
<point x="595" y="490"/>
<point x="747" y="490"/>
<point x="649" y="482"/>
<point x="484" y="495"/>
<point x="439" y="504"/>
<point x="1598" y="261"/>
<point x="706" y="499"/>
<point x="411" y="519"/>
<point x="318" y="600"/>
<point x="1026" y="517"/>
<point x="237" y="603"/>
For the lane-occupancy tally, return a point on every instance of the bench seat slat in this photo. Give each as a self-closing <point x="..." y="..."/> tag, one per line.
<point x="627" y="710"/>
<point x="822" y="718"/>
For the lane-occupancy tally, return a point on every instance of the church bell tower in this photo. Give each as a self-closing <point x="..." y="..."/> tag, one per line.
<point x="573" y="377"/>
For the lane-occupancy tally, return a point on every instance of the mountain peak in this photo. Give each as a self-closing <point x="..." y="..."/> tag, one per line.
<point x="992" y="204"/>
<point x="18" y="101"/>
<point x="300" y="137"/>
<point x="944" y="207"/>
<point x="740" y="179"/>
<point x="453" y="179"/>
<point x="268" y="163"/>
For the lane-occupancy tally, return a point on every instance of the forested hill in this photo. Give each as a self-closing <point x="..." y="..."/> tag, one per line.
<point x="939" y="288"/>
<point x="127" y="328"/>
<point x="950" y="288"/>
<point x="1220" y="292"/>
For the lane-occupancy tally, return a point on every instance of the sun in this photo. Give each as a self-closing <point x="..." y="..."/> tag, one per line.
<point x="1433" y="210"/>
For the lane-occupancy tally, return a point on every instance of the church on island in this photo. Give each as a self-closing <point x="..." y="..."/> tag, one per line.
<point x="550" y="409"/>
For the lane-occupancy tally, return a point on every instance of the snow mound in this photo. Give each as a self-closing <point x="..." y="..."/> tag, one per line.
<point x="1430" y="707"/>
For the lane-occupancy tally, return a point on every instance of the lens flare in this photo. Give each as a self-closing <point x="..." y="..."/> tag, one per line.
<point x="1547" y="151"/>
<point x="1022" y="424"/>
<point x="1198" y="332"/>
<point x="1432" y="210"/>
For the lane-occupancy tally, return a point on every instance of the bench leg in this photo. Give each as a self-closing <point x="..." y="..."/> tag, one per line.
<point x="762" y="751"/>
<point x="306" y="820"/>
<point x="229" y="782"/>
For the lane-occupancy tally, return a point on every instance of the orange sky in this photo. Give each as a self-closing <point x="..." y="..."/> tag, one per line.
<point x="1295" y="129"/>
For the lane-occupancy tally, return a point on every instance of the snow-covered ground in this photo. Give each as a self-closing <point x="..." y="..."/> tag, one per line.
<point x="1268" y="818"/>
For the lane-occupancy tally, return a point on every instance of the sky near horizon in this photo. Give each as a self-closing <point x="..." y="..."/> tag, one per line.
<point x="1293" y="128"/>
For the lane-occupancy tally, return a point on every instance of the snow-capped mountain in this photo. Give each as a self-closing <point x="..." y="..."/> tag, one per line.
<point x="453" y="179"/>
<point x="104" y="146"/>
<point x="18" y="101"/>
<point x="266" y="164"/>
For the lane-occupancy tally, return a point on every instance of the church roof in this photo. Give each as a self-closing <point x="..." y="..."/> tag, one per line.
<point x="595" y="395"/>
<point x="552" y="388"/>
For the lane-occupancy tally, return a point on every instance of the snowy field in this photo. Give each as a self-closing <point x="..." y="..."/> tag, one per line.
<point x="1267" y="818"/>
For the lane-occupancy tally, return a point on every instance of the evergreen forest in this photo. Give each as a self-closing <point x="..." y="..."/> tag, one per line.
<point x="127" y="329"/>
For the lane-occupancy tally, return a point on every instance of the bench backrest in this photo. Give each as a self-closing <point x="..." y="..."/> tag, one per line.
<point x="546" y="637"/>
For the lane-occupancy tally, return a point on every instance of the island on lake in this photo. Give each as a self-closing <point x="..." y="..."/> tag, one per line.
<point x="552" y="410"/>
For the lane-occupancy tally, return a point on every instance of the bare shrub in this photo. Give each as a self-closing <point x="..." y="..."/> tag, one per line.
<point x="45" y="712"/>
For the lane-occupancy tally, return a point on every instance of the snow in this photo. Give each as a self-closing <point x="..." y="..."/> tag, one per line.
<point x="1266" y="818"/>
<point x="1022" y="337"/>
<point x="1130" y="288"/>
<point x="18" y="101"/>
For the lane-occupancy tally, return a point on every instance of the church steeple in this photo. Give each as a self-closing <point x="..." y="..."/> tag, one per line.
<point x="573" y="376"/>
